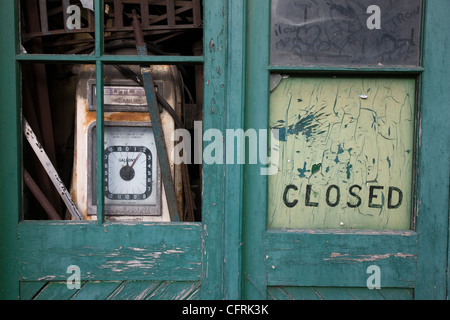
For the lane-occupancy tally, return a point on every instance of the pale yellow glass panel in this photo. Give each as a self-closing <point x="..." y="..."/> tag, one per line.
<point x="345" y="150"/>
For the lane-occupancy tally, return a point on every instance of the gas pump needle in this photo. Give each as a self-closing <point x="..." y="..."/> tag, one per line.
<point x="136" y="159"/>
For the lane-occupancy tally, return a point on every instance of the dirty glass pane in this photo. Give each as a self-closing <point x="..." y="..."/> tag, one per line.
<point x="57" y="26"/>
<point x="345" y="150"/>
<point x="49" y="106"/>
<point x="346" y="32"/>
<point x="167" y="27"/>
<point x="133" y="185"/>
<point x="60" y="105"/>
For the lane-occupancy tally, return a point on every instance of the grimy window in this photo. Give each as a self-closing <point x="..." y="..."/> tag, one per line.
<point x="110" y="156"/>
<point x="346" y="134"/>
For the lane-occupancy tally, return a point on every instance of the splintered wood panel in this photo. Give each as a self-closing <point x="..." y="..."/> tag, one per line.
<point x="345" y="149"/>
<point x="110" y="290"/>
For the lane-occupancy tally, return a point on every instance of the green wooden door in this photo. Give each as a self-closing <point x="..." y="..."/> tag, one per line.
<point x="248" y="245"/>
<point x="335" y="219"/>
<point x="100" y="258"/>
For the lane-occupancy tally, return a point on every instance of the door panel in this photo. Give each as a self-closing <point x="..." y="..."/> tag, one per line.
<point x="116" y="259"/>
<point x="340" y="258"/>
<point x="110" y="252"/>
<point x="302" y="243"/>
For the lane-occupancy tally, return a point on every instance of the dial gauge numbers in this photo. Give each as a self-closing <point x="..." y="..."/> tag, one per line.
<point x="128" y="173"/>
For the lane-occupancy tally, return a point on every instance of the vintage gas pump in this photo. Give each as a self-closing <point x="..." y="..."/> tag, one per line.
<point x="133" y="184"/>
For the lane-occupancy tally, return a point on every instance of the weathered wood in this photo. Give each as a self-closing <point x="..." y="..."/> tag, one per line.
<point x="434" y="158"/>
<point x="54" y="291"/>
<point x="256" y="117"/>
<point x="174" y="290"/>
<point x="111" y="251"/>
<point x="111" y="290"/>
<point x="214" y="109"/>
<point x="234" y="189"/>
<point x="327" y="293"/>
<point x="30" y="288"/>
<point x="10" y="139"/>
<point x="321" y="258"/>
<point x="95" y="290"/>
<point x="134" y="290"/>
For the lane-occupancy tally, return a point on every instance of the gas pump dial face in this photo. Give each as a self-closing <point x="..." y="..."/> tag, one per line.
<point x="129" y="166"/>
<point x="128" y="172"/>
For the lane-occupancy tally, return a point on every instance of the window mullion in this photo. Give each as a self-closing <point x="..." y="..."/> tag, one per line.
<point x="98" y="6"/>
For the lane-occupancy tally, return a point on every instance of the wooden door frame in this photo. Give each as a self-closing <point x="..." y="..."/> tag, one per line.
<point x="51" y="241"/>
<point x="428" y="243"/>
<point x="234" y="235"/>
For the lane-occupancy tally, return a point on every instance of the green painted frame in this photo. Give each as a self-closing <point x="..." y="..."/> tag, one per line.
<point x="233" y="241"/>
<point x="415" y="259"/>
<point x="41" y="251"/>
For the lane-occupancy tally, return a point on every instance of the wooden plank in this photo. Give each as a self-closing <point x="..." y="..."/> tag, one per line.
<point x="197" y="12"/>
<point x="10" y="139"/>
<point x="320" y="258"/>
<point x="55" y="291"/>
<point x="364" y="294"/>
<point x="28" y="289"/>
<point x="174" y="290"/>
<point x="277" y="293"/>
<point x="434" y="157"/>
<point x="170" y="13"/>
<point x="196" y="294"/>
<point x="111" y="251"/>
<point x="145" y="20"/>
<point x="330" y="293"/>
<point x="43" y="16"/>
<point x="119" y="59"/>
<point x="214" y="110"/>
<point x="118" y="14"/>
<point x="111" y="290"/>
<point x="134" y="290"/>
<point x="96" y="290"/>
<point x="397" y="294"/>
<point x="302" y="293"/>
<point x="234" y="189"/>
<point x="256" y="117"/>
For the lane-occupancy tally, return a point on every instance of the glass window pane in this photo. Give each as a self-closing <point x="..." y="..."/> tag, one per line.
<point x="57" y="27"/>
<point x="49" y="100"/>
<point x="60" y="104"/>
<point x="168" y="27"/>
<point x="346" y="32"/>
<point x="345" y="150"/>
